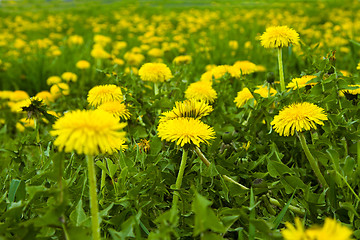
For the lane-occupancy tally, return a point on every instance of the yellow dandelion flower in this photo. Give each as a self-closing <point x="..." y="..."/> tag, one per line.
<point x="188" y="108"/>
<point x="155" y="72"/>
<point x="46" y="96"/>
<point x="358" y="66"/>
<point x="104" y="93"/>
<point x="116" y="108"/>
<point x="332" y="230"/>
<point x="201" y="90"/>
<point x="242" y="97"/>
<point x="345" y="73"/>
<point x="185" y="59"/>
<point x="17" y="106"/>
<point x="88" y="132"/>
<point x="19" y="95"/>
<point x="264" y="91"/>
<point x="69" y="77"/>
<point x="355" y="91"/>
<point x="296" y="232"/>
<point x="156" y="52"/>
<point x="58" y="89"/>
<point x="299" y="117"/>
<point x="301" y="82"/>
<point x="99" y="53"/>
<point x="25" y="123"/>
<point x="185" y="131"/>
<point x="278" y="37"/>
<point x="233" y="44"/>
<point x="246" y="67"/>
<point x="134" y="59"/>
<point x="82" y="64"/>
<point x="6" y="94"/>
<point x="53" y="80"/>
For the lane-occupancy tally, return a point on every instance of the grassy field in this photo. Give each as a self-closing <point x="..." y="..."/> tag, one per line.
<point x="179" y="120"/>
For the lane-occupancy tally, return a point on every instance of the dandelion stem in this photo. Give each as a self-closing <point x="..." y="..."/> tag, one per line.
<point x="358" y="153"/>
<point x="93" y="199"/>
<point x="207" y="163"/>
<point x="312" y="160"/>
<point x="179" y="178"/>
<point x="281" y="70"/>
<point x="156" y="88"/>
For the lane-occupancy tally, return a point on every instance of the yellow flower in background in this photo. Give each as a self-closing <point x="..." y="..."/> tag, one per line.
<point x="17" y="106"/>
<point x="131" y="70"/>
<point x="46" y="96"/>
<point x="358" y="66"/>
<point x="264" y="91"/>
<point x="53" y="80"/>
<point x="299" y="117"/>
<point x="189" y="108"/>
<point x="301" y="82"/>
<point x="6" y="94"/>
<point x="18" y="95"/>
<point x="89" y="132"/>
<point x="242" y="97"/>
<point x="296" y="232"/>
<point x="185" y="59"/>
<point x="99" y="53"/>
<point x="82" y="64"/>
<point x="59" y="89"/>
<point x="75" y="40"/>
<point x="278" y="37"/>
<point x="201" y="90"/>
<point x="104" y="93"/>
<point x="155" y="52"/>
<point x="134" y="59"/>
<point x="118" y="61"/>
<point x="246" y="67"/>
<point x="233" y="44"/>
<point x="185" y="131"/>
<point x="69" y="77"/>
<point x="116" y="108"/>
<point x="102" y="40"/>
<point x="155" y="72"/>
<point x="25" y="123"/>
<point x="354" y="91"/>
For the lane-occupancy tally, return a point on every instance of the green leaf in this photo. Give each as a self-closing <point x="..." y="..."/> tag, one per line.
<point x="205" y="218"/>
<point x="281" y="215"/>
<point x="277" y="169"/>
<point x="211" y="236"/>
<point x="78" y="216"/>
<point x="112" y="167"/>
<point x="291" y="183"/>
<point x="16" y="191"/>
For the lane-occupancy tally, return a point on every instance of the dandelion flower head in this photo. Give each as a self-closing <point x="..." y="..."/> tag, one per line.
<point x="188" y="108"/>
<point x="82" y="64"/>
<point x="89" y="132"/>
<point x="301" y="82"/>
<point x="53" y="80"/>
<point x="264" y="91"/>
<point x="332" y="230"/>
<point x="185" y="131"/>
<point x="242" y="97"/>
<point x="104" y="93"/>
<point x="299" y="117"/>
<point x="201" y="90"/>
<point x="246" y="67"/>
<point x="184" y="59"/>
<point x="59" y="89"/>
<point x="278" y="37"/>
<point x="155" y="72"/>
<point x="69" y="77"/>
<point x="296" y="232"/>
<point x="116" y="108"/>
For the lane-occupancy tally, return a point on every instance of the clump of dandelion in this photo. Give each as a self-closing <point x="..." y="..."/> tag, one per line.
<point x="59" y="89"/>
<point x="104" y="93"/>
<point x="279" y="37"/>
<point x="89" y="132"/>
<point x="295" y="119"/>
<point x="185" y="59"/>
<point x="53" y="80"/>
<point x="69" y="77"/>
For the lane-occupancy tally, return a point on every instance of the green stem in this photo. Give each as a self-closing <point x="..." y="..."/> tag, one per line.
<point x="60" y="181"/>
<point x="358" y="153"/>
<point x="312" y="160"/>
<point x="296" y="210"/>
<point x="207" y="163"/>
<point x="102" y="182"/>
<point x="281" y="70"/>
<point x="93" y="199"/>
<point x="179" y="178"/>
<point x="156" y="88"/>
